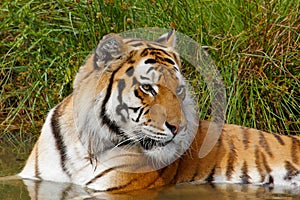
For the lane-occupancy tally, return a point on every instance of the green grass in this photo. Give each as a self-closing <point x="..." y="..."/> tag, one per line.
<point x="255" y="45"/>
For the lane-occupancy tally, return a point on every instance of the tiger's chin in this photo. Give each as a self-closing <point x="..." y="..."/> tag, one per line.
<point x="162" y="154"/>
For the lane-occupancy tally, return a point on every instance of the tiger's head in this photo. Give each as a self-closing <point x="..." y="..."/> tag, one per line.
<point x="131" y="93"/>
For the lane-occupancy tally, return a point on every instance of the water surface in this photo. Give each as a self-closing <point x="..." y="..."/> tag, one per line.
<point x="11" y="162"/>
<point x="44" y="190"/>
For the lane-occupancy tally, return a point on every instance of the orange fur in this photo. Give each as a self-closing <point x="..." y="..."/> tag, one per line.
<point x="78" y="132"/>
<point x="190" y="168"/>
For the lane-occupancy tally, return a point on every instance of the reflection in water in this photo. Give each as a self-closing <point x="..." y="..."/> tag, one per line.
<point x="45" y="190"/>
<point x="11" y="189"/>
<point x="48" y="190"/>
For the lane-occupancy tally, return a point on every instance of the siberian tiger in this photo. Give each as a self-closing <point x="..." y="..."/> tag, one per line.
<point x="131" y="124"/>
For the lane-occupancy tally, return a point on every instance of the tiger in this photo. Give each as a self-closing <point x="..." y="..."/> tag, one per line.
<point x="131" y="124"/>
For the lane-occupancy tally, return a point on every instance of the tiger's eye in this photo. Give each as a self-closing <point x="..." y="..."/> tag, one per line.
<point x="146" y="87"/>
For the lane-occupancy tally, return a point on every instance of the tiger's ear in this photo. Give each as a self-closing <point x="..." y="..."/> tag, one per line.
<point x="109" y="48"/>
<point x="168" y="39"/>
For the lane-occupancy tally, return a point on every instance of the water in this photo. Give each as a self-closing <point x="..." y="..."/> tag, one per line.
<point x="11" y="188"/>
<point x="16" y="189"/>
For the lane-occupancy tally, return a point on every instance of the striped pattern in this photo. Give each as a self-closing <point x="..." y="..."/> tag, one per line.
<point x="59" y="140"/>
<point x="237" y="167"/>
<point x="191" y="168"/>
<point x="113" y="108"/>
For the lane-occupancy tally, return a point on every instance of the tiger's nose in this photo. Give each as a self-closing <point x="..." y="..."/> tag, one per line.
<point x="172" y="127"/>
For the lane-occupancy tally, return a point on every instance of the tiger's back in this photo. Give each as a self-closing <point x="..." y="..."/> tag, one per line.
<point x="245" y="155"/>
<point x="131" y="124"/>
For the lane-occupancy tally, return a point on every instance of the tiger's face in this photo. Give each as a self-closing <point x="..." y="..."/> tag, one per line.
<point x="146" y="101"/>
<point x="143" y="98"/>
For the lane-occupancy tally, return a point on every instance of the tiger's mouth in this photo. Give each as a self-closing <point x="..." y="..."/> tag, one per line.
<point x="148" y="143"/>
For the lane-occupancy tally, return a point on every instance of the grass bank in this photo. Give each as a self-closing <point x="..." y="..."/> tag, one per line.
<point x="255" y="45"/>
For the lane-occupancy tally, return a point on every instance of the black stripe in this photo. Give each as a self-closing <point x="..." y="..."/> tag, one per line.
<point x="144" y="77"/>
<point x="162" y="51"/>
<point x="245" y="176"/>
<point x="210" y="177"/>
<point x="147" y="111"/>
<point x="295" y="149"/>
<point x="130" y="182"/>
<point x="119" y="187"/>
<point x="161" y="172"/>
<point x="109" y="88"/>
<point x="102" y="174"/>
<point x="150" y="61"/>
<point x="112" y="125"/>
<point x="265" y="163"/>
<point x="135" y="109"/>
<point x="177" y="60"/>
<point x="168" y="60"/>
<point x="136" y="94"/>
<point x="279" y="139"/>
<point x="122" y="106"/>
<point x="264" y="144"/>
<point x="105" y="172"/>
<point x="130" y="71"/>
<point x="112" y="169"/>
<point x="144" y="52"/>
<point x="176" y="175"/>
<point x="232" y="157"/>
<point x="245" y="137"/>
<point x="129" y="58"/>
<point x="36" y="164"/>
<point x="137" y="44"/>
<point x="150" y="69"/>
<point x="259" y="164"/>
<point x="134" y="81"/>
<point x="140" y="114"/>
<point x="292" y="171"/>
<point x="271" y="180"/>
<point x="59" y="140"/>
